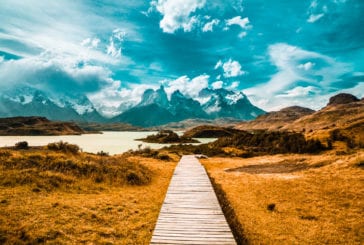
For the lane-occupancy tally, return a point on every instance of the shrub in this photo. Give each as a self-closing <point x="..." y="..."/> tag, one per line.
<point x="271" y="206"/>
<point x="102" y="153"/>
<point x="22" y="145"/>
<point x="63" y="147"/>
<point x="163" y="157"/>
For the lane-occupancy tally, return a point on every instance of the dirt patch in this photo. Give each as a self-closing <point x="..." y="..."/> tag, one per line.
<point x="282" y="167"/>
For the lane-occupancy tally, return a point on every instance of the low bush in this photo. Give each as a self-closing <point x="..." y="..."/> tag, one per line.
<point x="63" y="147"/>
<point x="22" y="145"/>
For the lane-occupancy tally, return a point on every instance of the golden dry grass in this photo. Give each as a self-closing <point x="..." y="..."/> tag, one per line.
<point x="320" y="203"/>
<point x="83" y="210"/>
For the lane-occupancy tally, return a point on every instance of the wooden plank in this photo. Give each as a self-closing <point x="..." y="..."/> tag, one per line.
<point x="191" y="213"/>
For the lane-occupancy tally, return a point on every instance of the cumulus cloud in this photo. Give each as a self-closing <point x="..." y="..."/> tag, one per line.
<point x="112" y="100"/>
<point x="209" y="26"/>
<point x="91" y="42"/>
<point x="243" y="23"/>
<point x="177" y="14"/>
<point x="187" y="86"/>
<point x="231" y="68"/>
<point x="234" y="85"/>
<point x="306" y="66"/>
<point x="237" y="20"/>
<point x="52" y="76"/>
<point x="217" y="84"/>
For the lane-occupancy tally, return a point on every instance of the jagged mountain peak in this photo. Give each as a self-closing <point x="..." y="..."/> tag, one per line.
<point x="216" y="103"/>
<point x="158" y="97"/>
<point x="30" y="101"/>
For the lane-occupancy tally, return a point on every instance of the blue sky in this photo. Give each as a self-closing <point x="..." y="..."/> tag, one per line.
<point x="278" y="52"/>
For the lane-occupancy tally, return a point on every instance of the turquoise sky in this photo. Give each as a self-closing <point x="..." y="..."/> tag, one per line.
<point x="278" y="52"/>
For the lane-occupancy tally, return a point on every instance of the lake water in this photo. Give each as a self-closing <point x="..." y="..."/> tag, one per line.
<point x="111" y="142"/>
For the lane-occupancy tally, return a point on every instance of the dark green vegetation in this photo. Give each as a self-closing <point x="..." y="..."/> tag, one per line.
<point x="37" y="126"/>
<point x="168" y="136"/>
<point x="271" y="142"/>
<point x="209" y="131"/>
<point x="61" y="165"/>
<point x="248" y="144"/>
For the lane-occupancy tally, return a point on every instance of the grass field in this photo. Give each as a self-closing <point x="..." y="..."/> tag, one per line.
<point x="295" y="199"/>
<point x="66" y="204"/>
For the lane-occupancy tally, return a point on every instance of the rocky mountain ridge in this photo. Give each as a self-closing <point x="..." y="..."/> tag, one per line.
<point x="154" y="108"/>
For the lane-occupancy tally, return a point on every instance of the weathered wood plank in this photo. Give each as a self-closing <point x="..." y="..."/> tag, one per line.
<point x="191" y="213"/>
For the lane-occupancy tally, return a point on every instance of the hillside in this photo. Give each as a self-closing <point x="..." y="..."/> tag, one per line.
<point x="344" y="112"/>
<point x="348" y="118"/>
<point x="37" y="126"/>
<point x="276" y="119"/>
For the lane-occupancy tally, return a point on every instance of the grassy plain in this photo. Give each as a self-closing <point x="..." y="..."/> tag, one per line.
<point x="55" y="197"/>
<point x="295" y="198"/>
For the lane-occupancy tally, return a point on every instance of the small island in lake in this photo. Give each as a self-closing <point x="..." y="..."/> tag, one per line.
<point x="167" y="137"/>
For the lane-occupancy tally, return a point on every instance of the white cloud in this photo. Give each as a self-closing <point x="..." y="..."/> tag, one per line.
<point x="218" y="64"/>
<point x="112" y="50"/>
<point x="243" y="34"/>
<point x="243" y="23"/>
<point x="283" y="88"/>
<point x="111" y="100"/>
<point x="231" y="68"/>
<point x="190" y="24"/>
<point x="314" y="17"/>
<point x="187" y="86"/>
<point x="1" y="59"/>
<point x="119" y="34"/>
<point x="299" y="92"/>
<point x="177" y="14"/>
<point x="306" y="66"/>
<point x="237" y="20"/>
<point x="53" y="75"/>
<point x="209" y="26"/>
<point x="234" y="85"/>
<point x="90" y="42"/>
<point x="217" y="84"/>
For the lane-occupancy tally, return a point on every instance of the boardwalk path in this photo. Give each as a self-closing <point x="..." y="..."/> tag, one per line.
<point x="191" y="213"/>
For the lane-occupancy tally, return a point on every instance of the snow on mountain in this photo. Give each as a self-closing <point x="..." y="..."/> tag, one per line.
<point x="210" y="104"/>
<point x="158" y="97"/>
<point x="28" y="101"/>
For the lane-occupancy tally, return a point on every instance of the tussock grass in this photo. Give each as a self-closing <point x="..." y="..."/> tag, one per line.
<point x="49" y="196"/>
<point x="319" y="204"/>
<point x="53" y="169"/>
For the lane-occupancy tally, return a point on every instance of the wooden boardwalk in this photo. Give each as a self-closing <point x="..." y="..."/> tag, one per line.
<point x="191" y="213"/>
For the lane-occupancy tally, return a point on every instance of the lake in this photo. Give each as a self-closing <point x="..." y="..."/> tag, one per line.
<point x="111" y="142"/>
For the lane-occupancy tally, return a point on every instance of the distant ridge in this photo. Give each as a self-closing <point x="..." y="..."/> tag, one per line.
<point x="154" y="108"/>
<point x="276" y="119"/>
<point x="37" y="126"/>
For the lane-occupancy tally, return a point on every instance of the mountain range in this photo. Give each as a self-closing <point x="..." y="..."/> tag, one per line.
<point x="153" y="109"/>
